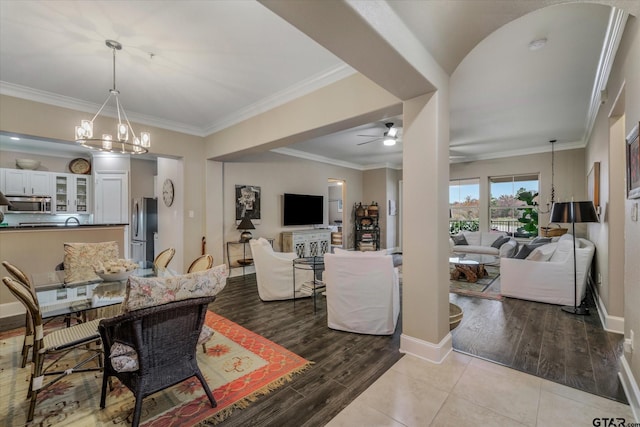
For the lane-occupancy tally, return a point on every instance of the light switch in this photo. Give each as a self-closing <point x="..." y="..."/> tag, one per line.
<point x="634" y="212"/>
<point x="191" y="214"/>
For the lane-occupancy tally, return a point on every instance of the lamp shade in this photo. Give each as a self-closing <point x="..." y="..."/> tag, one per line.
<point x="246" y="224"/>
<point x="573" y="212"/>
<point x="3" y="200"/>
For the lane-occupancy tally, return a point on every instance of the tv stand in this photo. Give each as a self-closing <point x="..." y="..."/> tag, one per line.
<point x="307" y="243"/>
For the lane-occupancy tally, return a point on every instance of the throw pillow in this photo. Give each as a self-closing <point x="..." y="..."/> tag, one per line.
<point x="542" y="253"/>
<point x="459" y="239"/>
<point x="149" y="291"/>
<point x="541" y="240"/>
<point x="79" y="259"/>
<point x="526" y="249"/>
<point x="500" y="241"/>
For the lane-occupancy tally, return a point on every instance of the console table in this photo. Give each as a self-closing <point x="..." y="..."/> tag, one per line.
<point x="307" y="243"/>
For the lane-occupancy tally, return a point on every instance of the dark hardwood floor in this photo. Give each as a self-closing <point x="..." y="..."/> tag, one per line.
<point x="542" y="340"/>
<point x="345" y="364"/>
<point x="536" y="338"/>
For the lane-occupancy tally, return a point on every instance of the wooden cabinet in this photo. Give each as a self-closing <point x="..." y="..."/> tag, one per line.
<point x="72" y="193"/>
<point x="18" y="182"/>
<point x="307" y="243"/>
<point x="367" y="230"/>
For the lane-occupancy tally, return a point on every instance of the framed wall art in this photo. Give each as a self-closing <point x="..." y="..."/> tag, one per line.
<point x="247" y="202"/>
<point x="593" y="185"/>
<point x="633" y="164"/>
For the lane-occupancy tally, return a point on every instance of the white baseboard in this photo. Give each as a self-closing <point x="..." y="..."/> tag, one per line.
<point x="630" y="386"/>
<point x="435" y="353"/>
<point x="11" y="309"/>
<point x="609" y="323"/>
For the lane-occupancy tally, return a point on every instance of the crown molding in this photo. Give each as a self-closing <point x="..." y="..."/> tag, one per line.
<point x="36" y="95"/>
<point x="302" y="88"/>
<point x="613" y="35"/>
<point x="335" y="162"/>
<point x="520" y="152"/>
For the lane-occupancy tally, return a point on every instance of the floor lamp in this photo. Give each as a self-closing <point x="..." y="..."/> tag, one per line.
<point x="572" y="212"/>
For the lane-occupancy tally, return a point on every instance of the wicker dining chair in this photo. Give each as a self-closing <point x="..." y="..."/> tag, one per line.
<point x="164" y="340"/>
<point x="203" y="262"/>
<point x="57" y="343"/>
<point x="164" y="258"/>
<point x="22" y="279"/>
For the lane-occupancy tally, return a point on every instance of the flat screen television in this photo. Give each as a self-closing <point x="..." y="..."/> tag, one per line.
<point x="303" y="209"/>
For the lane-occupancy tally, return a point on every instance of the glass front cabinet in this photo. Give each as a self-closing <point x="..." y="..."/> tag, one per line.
<point x="72" y="193"/>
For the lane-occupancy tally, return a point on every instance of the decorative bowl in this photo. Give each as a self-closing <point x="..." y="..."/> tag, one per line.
<point x="27" y="164"/>
<point x="115" y="277"/>
<point x="455" y="316"/>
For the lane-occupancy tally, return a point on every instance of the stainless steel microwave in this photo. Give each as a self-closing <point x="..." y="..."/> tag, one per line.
<point x="29" y="204"/>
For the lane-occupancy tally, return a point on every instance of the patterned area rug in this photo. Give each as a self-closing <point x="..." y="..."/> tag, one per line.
<point x="239" y="366"/>
<point x="487" y="287"/>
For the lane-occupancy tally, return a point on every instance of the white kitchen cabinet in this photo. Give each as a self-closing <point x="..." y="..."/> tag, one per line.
<point x="72" y="193"/>
<point x="25" y="182"/>
<point x="111" y="198"/>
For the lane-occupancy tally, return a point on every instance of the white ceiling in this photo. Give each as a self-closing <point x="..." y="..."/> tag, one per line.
<point x="198" y="67"/>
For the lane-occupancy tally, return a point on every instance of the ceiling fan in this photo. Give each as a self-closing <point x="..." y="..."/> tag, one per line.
<point x="389" y="137"/>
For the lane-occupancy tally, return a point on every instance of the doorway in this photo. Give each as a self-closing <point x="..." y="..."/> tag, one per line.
<point x="337" y="189"/>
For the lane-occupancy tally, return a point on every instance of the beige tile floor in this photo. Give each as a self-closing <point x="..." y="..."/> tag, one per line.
<point x="465" y="390"/>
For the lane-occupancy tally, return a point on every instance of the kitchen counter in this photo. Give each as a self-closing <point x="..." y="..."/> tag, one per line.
<point x="55" y="225"/>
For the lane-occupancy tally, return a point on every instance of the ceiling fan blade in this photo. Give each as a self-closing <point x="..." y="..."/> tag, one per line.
<point x="371" y="140"/>
<point x="370" y="136"/>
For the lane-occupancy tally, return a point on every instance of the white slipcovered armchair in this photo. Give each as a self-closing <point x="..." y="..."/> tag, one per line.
<point x="363" y="292"/>
<point x="546" y="275"/>
<point x="274" y="272"/>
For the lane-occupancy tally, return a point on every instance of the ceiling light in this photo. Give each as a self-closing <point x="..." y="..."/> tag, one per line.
<point x="14" y="138"/>
<point x="392" y="132"/>
<point x="126" y="141"/>
<point x="389" y="141"/>
<point x="538" y="43"/>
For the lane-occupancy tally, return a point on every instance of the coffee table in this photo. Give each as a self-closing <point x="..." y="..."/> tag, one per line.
<point x="470" y="266"/>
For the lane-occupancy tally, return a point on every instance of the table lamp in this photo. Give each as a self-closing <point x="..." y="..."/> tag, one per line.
<point x="245" y="225"/>
<point x="572" y="212"/>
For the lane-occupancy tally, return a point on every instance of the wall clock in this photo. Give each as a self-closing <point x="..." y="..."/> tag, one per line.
<point x="167" y="192"/>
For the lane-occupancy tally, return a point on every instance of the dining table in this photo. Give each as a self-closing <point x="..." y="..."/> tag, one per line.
<point x="57" y="298"/>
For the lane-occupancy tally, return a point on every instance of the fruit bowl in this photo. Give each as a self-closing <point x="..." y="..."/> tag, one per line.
<point x="114" y="270"/>
<point x="27" y="164"/>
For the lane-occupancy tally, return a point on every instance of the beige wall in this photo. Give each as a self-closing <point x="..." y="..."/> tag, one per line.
<point x="40" y="251"/>
<point x="569" y="181"/>
<point x="277" y="174"/>
<point x="142" y="173"/>
<point x="618" y="234"/>
<point x="56" y="123"/>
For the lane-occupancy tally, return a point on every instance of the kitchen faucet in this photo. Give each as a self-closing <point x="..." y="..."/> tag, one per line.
<point x="69" y="219"/>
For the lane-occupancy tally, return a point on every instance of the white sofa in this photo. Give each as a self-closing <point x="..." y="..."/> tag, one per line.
<point x="274" y="272"/>
<point x="479" y="242"/>
<point x="546" y="275"/>
<point x="363" y="292"/>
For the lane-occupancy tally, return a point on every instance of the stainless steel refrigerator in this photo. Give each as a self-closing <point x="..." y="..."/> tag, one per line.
<point x="144" y="226"/>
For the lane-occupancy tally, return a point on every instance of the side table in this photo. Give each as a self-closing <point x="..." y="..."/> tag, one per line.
<point x="315" y="263"/>
<point x="239" y="254"/>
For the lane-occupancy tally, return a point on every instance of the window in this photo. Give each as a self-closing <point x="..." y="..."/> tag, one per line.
<point x="464" y="205"/>
<point x="514" y="205"/>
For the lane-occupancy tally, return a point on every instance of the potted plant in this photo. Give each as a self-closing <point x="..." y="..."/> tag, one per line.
<point x="529" y="214"/>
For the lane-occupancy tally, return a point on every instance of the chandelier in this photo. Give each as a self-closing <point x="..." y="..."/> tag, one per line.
<point x="126" y="141"/>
